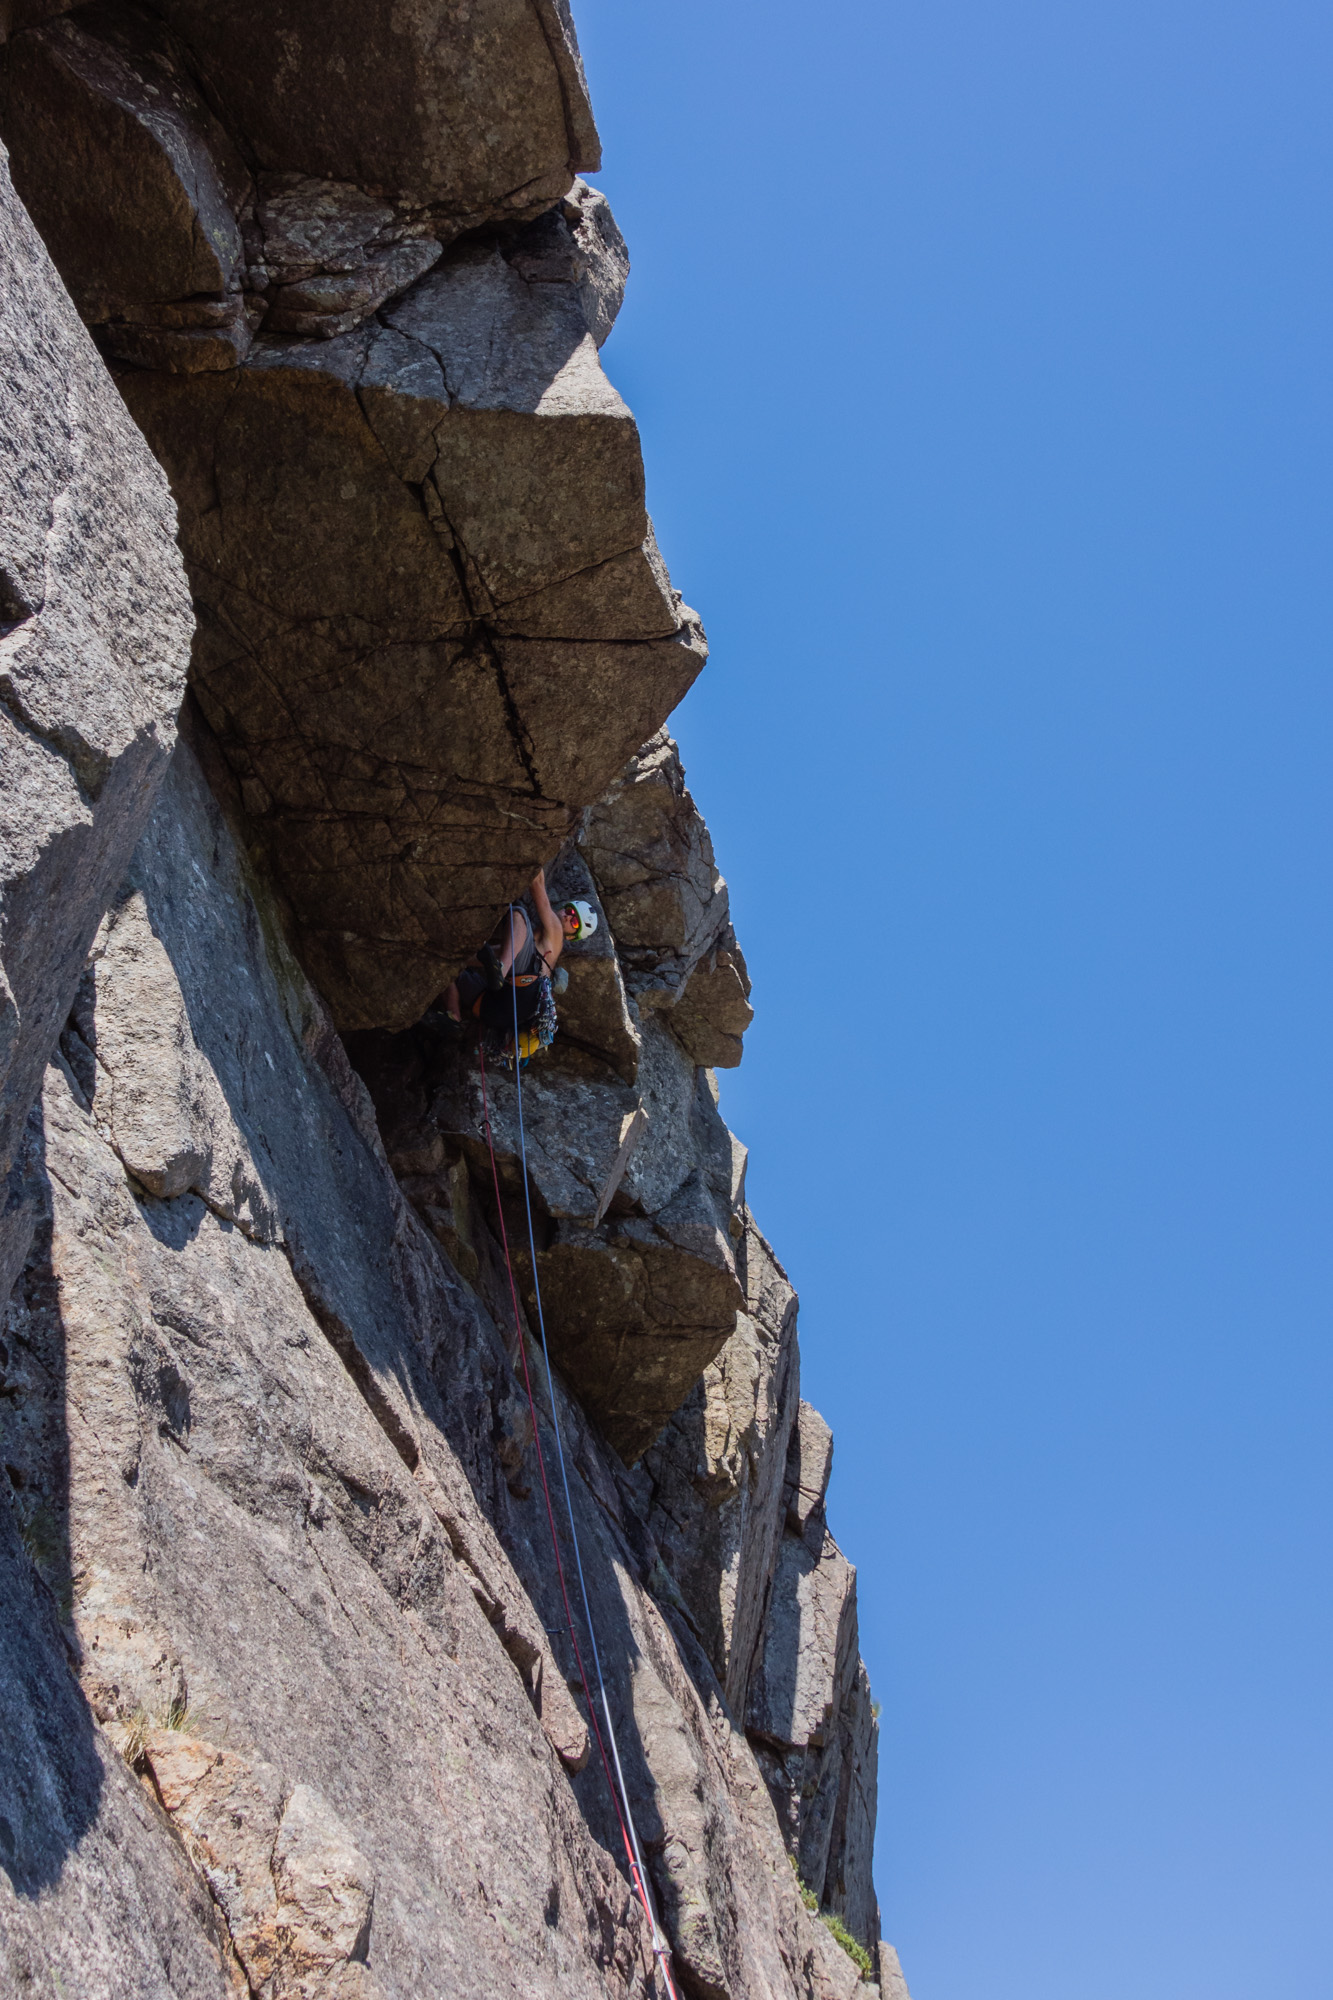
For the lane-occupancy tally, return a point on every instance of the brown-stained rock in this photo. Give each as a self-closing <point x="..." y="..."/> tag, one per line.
<point x="226" y="1809"/>
<point x="479" y="111"/>
<point x="185" y="349"/>
<point x="128" y="175"/>
<point x="296" y="1895"/>
<point x="94" y="633"/>
<point x="366" y="521"/>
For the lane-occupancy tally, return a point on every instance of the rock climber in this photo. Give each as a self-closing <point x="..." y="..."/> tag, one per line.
<point x="514" y="952"/>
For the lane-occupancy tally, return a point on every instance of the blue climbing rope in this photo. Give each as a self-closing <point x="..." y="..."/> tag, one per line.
<point x="661" y="1950"/>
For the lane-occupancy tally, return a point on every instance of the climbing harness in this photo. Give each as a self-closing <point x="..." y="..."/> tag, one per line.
<point x="616" y="1785"/>
<point x="533" y="1006"/>
<point x="525" y="1043"/>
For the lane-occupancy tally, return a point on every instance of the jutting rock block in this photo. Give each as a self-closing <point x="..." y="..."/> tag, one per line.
<point x="433" y="622"/>
<point x="433" y="619"/>
<point x="479" y="107"/>
<point x="652" y="856"/>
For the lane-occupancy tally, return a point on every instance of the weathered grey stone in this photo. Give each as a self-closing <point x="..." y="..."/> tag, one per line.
<point x="726" y="1892"/>
<point x="479" y="112"/>
<point x="892" y="1985"/>
<point x="579" y="242"/>
<point x="279" y="1421"/>
<point x="365" y="520"/>
<point x="94" y="632"/>
<point x="637" y="1299"/>
<point x="810" y="1716"/>
<point x="360" y="1727"/>
<point x="130" y="178"/>
<point x="809" y="1464"/>
<point x="808" y="1647"/>
<point x="333" y="303"/>
<point x="716" y="1474"/>
<point x="306" y="224"/>
<point x="264" y="1412"/>
<point x="849" y="1887"/>
<point x="808" y="1705"/>
<point x="714" y="1011"/>
<point x="158" y="1098"/>
<point x="94" y="1892"/>
<point x="652" y="859"/>
<point x="601" y="258"/>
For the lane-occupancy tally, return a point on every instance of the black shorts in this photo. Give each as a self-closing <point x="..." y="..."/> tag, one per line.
<point x="496" y="1010"/>
<point x="471" y="986"/>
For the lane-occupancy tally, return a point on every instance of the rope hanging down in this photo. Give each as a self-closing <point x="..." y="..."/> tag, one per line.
<point x="616" y="1786"/>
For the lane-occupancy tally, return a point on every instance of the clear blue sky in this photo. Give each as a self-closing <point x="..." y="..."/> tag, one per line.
<point x="984" y="361"/>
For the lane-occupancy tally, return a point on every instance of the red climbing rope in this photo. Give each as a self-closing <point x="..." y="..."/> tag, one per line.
<point x="659" y="1949"/>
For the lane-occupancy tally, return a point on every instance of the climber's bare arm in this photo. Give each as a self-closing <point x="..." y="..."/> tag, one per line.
<point x="513" y="933"/>
<point x="551" y="932"/>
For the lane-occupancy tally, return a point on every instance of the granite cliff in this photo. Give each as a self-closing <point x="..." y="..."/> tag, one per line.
<point x="329" y="610"/>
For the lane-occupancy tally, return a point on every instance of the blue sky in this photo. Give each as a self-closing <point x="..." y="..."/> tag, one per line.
<point x="984" y="362"/>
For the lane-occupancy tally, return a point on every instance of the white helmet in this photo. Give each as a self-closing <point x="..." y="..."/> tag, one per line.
<point x="587" y="917"/>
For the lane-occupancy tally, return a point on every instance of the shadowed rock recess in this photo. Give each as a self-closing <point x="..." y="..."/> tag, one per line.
<point x="289" y="1703"/>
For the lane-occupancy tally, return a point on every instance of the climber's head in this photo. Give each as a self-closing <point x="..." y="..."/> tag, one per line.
<point x="579" y="921"/>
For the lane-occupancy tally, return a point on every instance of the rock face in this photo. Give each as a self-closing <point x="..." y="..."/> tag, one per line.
<point x="237" y="1345"/>
<point x="640" y="1187"/>
<point x="94" y="639"/>
<point x="297" y="1698"/>
<point x="433" y="621"/>
<point x="808" y="1708"/>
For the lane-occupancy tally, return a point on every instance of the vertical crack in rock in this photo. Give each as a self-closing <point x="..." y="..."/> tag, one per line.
<point x="522" y="740"/>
